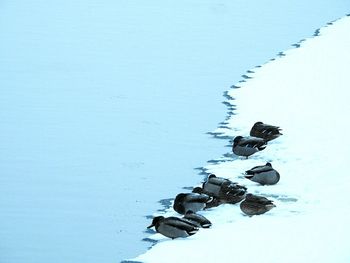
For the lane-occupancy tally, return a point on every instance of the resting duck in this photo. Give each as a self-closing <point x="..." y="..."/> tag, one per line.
<point x="213" y="185"/>
<point x="224" y="190"/>
<point x="256" y="205"/>
<point x="197" y="219"/>
<point x="173" y="227"/>
<point x="246" y="146"/>
<point x="190" y="202"/>
<point x="263" y="174"/>
<point x="265" y="131"/>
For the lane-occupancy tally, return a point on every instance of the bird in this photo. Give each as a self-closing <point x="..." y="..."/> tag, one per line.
<point x="190" y="201"/>
<point x="197" y="219"/>
<point x="263" y="174"/>
<point x="265" y="131"/>
<point x="223" y="190"/>
<point x="256" y="205"/>
<point x="213" y="185"/>
<point x="173" y="227"/>
<point x="246" y="146"/>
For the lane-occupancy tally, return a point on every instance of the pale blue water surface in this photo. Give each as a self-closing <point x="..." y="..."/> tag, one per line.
<point x="104" y="109"/>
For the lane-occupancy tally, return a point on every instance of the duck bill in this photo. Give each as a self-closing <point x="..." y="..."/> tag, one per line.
<point x="150" y="226"/>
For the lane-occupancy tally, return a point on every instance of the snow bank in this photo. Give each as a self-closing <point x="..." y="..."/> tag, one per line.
<point x="306" y="92"/>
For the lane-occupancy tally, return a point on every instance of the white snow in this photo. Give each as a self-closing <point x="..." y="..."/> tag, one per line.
<point x="305" y="92"/>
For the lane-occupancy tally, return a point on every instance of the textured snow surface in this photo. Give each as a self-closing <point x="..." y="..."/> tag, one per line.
<point x="306" y="92"/>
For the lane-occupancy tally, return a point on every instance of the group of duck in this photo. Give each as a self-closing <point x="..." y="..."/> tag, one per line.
<point x="217" y="190"/>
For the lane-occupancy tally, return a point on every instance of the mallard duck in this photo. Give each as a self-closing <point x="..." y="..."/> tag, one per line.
<point x="213" y="185"/>
<point x="173" y="227"/>
<point x="246" y="146"/>
<point x="224" y="190"/>
<point x="263" y="174"/>
<point x="265" y="131"/>
<point x="190" y="202"/>
<point x="256" y="205"/>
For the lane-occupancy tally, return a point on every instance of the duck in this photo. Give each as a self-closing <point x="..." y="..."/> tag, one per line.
<point x="263" y="174"/>
<point x="246" y="146"/>
<point x="223" y="190"/>
<point x="256" y="205"/>
<point x="173" y="227"/>
<point x="197" y="219"/>
<point x="190" y="201"/>
<point x="212" y="186"/>
<point x="265" y="131"/>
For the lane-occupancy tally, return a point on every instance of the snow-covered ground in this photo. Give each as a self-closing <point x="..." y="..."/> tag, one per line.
<point x="305" y="90"/>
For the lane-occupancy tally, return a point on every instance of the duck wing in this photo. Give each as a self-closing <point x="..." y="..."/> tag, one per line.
<point x="259" y="169"/>
<point x="217" y="180"/>
<point x="180" y="223"/>
<point x="252" y="142"/>
<point x="198" y="198"/>
<point x="232" y="187"/>
<point x="265" y="131"/>
<point x="270" y="129"/>
<point x="232" y="193"/>
<point x="258" y="199"/>
<point x="265" y="201"/>
<point x="198" y="219"/>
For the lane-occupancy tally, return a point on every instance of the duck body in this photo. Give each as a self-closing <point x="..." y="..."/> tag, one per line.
<point x="247" y="146"/>
<point x="173" y="227"/>
<point x="265" y="131"/>
<point x="256" y="205"/>
<point x="263" y="174"/>
<point x="194" y="202"/>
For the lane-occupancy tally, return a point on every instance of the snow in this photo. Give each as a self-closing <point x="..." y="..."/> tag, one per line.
<point x="305" y="92"/>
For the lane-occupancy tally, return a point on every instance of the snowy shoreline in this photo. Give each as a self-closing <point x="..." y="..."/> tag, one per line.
<point x="304" y="90"/>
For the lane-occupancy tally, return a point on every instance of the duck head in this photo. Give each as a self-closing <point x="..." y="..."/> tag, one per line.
<point x="180" y="197"/>
<point x="258" y="123"/>
<point x="197" y="190"/>
<point x="237" y="140"/>
<point x="249" y="196"/>
<point x="155" y="221"/>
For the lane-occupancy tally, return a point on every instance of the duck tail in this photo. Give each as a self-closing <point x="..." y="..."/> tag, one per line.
<point x="262" y="147"/>
<point x="193" y="231"/>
